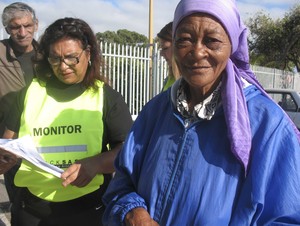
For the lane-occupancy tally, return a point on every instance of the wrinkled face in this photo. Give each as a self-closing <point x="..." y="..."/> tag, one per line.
<point x="66" y="50"/>
<point x="21" y="30"/>
<point x="202" y="48"/>
<point x="166" y="50"/>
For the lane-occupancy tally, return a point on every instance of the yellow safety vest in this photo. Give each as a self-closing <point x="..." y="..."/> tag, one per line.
<point x="63" y="132"/>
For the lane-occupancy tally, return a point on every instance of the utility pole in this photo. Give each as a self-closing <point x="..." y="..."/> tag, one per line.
<point x="150" y="35"/>
<point x="151" y="22"/>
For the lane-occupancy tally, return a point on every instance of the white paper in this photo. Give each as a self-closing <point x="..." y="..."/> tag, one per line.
<point x="25" y="148"/>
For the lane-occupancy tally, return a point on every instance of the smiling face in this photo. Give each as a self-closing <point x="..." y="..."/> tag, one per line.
<point x="202" y="48"/>
<point x="69" y="48"/>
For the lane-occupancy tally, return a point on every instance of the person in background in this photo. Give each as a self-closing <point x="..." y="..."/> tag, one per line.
<point x="165" y="42"/>
<point x="77" y="122"/>
<point x="16" y="71"/>
<point x="214" y="149"/>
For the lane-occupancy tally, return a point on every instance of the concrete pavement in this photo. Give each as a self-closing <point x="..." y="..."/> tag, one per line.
<point x="4" y="205"/>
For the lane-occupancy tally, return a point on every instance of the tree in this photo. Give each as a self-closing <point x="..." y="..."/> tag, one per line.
<point x="275" y="43"/>
<point x="122" y="36"/>
<point x="292" y="46"/>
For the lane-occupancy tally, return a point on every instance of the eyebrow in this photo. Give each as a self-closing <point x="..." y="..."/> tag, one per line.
<point x="207" y="31"/>
<point x="20" y="24"/>
<point x="74" y="54"/>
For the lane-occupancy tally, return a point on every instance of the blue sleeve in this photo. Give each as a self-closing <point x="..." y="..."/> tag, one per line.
<point x="121" y="196"/>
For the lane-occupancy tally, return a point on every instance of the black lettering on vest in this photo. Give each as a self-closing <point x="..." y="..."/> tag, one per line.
<point x="63" y="129"/>
<point x="37" y="132"/>
<point x="61" y="163"/>
<point x="70" y="129"/>
<point x="77" y="128"/>
<point x="46" y="131"/>
<point x="56" y="130"/>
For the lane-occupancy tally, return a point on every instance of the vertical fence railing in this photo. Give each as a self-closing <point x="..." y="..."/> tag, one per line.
<point x="134" y="73"/>
<point x="274" y="78"/>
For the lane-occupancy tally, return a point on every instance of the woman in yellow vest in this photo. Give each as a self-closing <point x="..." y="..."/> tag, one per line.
<point x="78" y="123"/>
<point x="165" y="42"/>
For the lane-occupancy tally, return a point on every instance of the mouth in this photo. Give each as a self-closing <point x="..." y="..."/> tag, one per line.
<point x="65" y="75"/>
<point x="198" y="69"/>
<point x="24" y="40"/>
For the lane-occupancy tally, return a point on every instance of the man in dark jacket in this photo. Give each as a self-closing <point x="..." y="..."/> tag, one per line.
<point x="16" y="72"/>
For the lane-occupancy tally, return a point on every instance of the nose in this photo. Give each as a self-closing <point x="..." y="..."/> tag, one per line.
<point x="22" y="31"/>
<point x="63" y="65"/>
<point x="199" y="50"/>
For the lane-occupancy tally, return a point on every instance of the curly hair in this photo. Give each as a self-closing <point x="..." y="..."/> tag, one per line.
<point x="75" y="29"/>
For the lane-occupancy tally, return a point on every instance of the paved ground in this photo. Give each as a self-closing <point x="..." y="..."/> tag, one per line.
<point x="4" y="205"/>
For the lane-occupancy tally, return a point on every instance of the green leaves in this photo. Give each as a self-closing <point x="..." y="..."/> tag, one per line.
<point x="275" y="43"/>
<point x="122" y="36"/>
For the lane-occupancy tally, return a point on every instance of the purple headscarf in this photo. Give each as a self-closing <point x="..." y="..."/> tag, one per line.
<point x="234" y="103"/>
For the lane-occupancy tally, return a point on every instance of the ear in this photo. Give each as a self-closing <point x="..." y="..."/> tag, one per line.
<point x="36" y="25"/>
<point x="88" y="50"/>
<point x="7" y="31"/>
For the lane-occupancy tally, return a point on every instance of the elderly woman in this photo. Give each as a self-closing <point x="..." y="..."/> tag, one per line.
<point x="214" y="149"/>
<point x="77" y="122"/>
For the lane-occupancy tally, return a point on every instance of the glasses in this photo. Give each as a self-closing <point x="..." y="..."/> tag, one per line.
<point x="69" y="60"/>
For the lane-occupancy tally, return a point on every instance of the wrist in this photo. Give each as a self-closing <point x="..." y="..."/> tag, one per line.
<point x="136" y="216"/>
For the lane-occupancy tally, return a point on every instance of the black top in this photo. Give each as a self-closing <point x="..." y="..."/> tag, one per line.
<point x="26" y="64"/>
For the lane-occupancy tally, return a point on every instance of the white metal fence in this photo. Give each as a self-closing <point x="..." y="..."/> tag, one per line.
<point x="274" y="78"/>
<point x="134" y="73"/>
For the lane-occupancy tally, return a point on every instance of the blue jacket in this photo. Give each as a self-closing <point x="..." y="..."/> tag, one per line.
<point x="187" y="175"/>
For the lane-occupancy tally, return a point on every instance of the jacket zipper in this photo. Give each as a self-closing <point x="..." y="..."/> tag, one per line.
<point x="173" y="174"/>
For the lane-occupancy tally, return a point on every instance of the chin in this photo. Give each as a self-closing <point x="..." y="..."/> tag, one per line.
<point x="66" y="81"/>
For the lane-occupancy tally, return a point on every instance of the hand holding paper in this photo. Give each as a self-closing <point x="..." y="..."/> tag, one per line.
<point x="7" y="160"/>
<point x="25" y="148"/>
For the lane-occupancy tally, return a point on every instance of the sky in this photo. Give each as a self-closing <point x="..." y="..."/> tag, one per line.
<point x="133" y="15"/>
